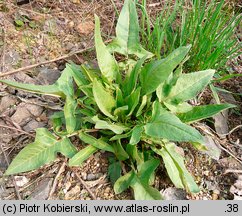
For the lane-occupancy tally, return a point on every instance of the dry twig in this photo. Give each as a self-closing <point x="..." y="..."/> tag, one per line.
<point x="85" y="185"/>
<point x="13" y="128"/>
<point x="61" y="170"/>
<point x="49" y="61"/>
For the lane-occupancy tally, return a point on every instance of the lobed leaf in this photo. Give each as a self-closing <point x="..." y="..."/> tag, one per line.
<point x="42" y="151"/>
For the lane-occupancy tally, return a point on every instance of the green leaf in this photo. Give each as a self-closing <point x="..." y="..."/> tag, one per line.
<point x="123" y="182"/>
<point x="121" y="136"/>
<point x="136" y="134"/>
<point x="133" y="101"/>
<point x="98" y="143"/>
<point x="170" y="127"/>
<point x="42" y="151"/>
<point x="69" y="112"/>
<point x="65" y="82"/>
<point x="132" y="79"/>
<point x="127" y="32"/>
<point x="141" y="107"/>
<point x="106" y="61"/>
<point x="203" y="112"/>
<point x="188" y="85"/>
<point x="171" y="167"/>
<point x="187" y="179"/>
<point x="80" y="79"/>
<point x="82" y="155"/>
<point x="114" y="170"/>
<point x="52" y="90"/>
<point x="61" y="88"/>
<point x="120" y="153"/>
<point x="180" y="108"/>
<point x="103" y="98"/>
<point x="66" y="148"/>
<point x="156" y="72"/>
<point x="143" y="191"/>
<point x="19" y="23"/>
<point x="147" y="169"/>
<point x="116" y="128"/>
<point x="133" y="152"/>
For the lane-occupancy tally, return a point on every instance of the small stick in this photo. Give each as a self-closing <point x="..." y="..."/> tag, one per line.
<point x="4" y="47"/>
<point x="43" y="63"/>
<point x="13" y="128"/>
<point x="61" y="170"/>
<point x="85" y="185"/>
<point x="230" y="154"/>
<point x="49" y="61"/>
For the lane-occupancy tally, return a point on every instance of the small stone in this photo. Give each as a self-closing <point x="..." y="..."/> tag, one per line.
<point x="6" y="102"/>
<point x="32" y="125"/>
<point x="206" y="173"/>
<point x="48" y="76"/>
<point x="174" y="194"/>
<point x="21" y="180"/>
<point x="84" y="175"/>
<point x="42" y="191"/>
<point x="71" y="24"/>
<point x="91" y="177"/>
<point x="35" y="110"/>
<point x="85" y="28"/>
<point x="21" y="116"/>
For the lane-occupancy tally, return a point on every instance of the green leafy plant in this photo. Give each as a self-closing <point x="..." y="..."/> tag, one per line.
<point x="207" y="25"/>
<point x="137" y="110"/>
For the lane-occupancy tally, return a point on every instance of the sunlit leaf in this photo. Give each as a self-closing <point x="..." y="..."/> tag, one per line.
<point x="136" y="134"/>
<point x="82" y="155"/>
<point x="98" y="143"/>
<point x="188" y="85"/>
<point x="42" y="151"/>
<point x="104" y="99"/>
<point x="202" y="112"/>
<point x="170" y="127"/>
<point x="106" y="61"/>
<point x="156" y="72"/>
<point x="116" y="128"/>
